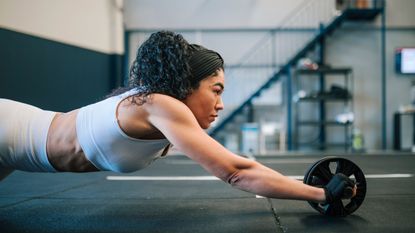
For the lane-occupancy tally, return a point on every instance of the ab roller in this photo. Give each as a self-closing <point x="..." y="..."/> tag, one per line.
<point x="322" y="171"/>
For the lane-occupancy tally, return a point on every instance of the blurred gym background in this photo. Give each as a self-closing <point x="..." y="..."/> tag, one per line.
<point x="301" y="75"/>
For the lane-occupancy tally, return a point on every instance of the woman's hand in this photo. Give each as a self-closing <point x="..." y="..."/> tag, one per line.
<point x="340" y="187"/>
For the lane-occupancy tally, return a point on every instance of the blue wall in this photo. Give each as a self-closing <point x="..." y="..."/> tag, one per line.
<point x="53" y="75"/>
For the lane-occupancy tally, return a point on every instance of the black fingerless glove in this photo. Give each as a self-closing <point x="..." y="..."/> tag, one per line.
<point x="340" y="186"/>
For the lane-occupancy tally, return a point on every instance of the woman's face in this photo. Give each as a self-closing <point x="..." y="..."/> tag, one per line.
<point x="206" y="101"/>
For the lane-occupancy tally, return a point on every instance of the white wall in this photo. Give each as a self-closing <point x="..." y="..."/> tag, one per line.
<point x="400" y="13"/>
<point x="91" y="24"/>
<point x="217" y="14"/>
<point x="202" y="14"/>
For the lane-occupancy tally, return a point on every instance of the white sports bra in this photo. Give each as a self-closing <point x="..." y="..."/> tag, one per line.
<point x="104" y="143"/>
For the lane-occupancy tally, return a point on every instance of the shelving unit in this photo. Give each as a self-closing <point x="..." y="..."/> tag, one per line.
<point x="341" y="93"/>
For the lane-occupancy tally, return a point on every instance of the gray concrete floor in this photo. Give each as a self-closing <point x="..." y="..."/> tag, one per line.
<point x="68" y="202"/>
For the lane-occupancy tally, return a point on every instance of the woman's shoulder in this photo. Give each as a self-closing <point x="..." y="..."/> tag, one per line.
<point x="156" y="99"/>
<point x="166" y="105"/>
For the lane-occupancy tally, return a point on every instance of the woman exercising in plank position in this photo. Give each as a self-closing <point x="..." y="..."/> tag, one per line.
<point x="174" y="94"/>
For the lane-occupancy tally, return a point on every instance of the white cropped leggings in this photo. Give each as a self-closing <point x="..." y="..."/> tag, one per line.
<point x="23" y="134"/>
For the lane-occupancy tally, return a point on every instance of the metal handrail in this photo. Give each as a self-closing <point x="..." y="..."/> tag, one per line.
<point x="299" y="52"/>
<point x="296" y="15"/>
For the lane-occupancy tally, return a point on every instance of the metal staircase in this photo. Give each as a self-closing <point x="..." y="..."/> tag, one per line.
<point x="325" y="29"/>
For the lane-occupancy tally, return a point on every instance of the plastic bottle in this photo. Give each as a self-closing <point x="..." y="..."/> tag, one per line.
<point x="357" y="141"/>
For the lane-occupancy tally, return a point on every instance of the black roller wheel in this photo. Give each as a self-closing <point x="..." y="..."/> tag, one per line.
<point x="321" y="172"/>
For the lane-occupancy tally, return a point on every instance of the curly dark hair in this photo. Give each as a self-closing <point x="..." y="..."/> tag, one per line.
<point x="164" y="65"/>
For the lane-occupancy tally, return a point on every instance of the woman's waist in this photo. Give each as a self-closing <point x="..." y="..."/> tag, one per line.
<point x="63" y="148"/>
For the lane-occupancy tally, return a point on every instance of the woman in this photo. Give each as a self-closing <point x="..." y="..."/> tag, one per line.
<point x="174" y="94"/>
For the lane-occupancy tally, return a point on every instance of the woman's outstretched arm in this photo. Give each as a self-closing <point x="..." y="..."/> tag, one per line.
<point x="175" y="120"/>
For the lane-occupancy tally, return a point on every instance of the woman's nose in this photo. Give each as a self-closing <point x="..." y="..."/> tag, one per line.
<point x="219" y="104"/>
